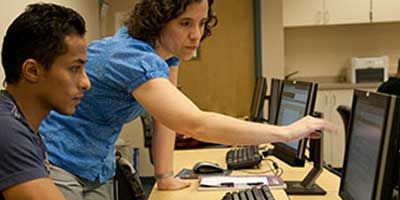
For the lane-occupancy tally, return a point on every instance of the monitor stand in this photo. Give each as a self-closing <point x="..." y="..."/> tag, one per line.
<point x="308" y="186"/>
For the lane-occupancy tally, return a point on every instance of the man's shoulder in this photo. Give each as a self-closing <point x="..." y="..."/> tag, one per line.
<point x="12" y="129"/>
<point x="5" y="106"/>
<point x="7" y="119"/>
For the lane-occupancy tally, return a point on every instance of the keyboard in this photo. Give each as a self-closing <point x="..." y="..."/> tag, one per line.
<point x="256" y="193"/>
<point x="243" y="157"/>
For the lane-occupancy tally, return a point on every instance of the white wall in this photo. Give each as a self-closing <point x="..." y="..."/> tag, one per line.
<point x="9" y="10"/>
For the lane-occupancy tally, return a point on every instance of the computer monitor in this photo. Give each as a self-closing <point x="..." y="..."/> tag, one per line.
<point x="274" y="99"/>
<point x="257" y="105"/>
<point x="371" y="160"/>
<point x="297" y="100"/>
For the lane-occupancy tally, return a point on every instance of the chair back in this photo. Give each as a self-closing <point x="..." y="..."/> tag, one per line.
<point x="344" y="112"/>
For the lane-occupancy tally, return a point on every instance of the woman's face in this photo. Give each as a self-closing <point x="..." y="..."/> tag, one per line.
<point x="181" y="36"/>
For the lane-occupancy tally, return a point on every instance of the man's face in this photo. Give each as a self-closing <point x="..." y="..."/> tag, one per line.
<point x="63" y="85"/>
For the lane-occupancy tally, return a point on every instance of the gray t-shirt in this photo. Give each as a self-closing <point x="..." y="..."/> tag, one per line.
<point x="22" y="153"/>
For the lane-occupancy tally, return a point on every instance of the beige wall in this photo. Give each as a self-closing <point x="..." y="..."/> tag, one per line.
<point x="272" y="41"/>
<point x="272" y="38"/>
<point x="326" y="50"/>
<point x="87" y="8"/>
<point x="116" y="6"/>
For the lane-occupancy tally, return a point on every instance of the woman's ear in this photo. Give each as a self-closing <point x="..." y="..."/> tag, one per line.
<point x="31" y="70"/>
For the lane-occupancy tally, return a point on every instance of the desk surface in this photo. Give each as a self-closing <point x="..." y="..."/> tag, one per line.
<point x="187" y="158"/>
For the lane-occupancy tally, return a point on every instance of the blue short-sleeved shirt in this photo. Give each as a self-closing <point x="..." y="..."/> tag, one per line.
<point x="83" y="143"/>
<point x="22" y="153"/>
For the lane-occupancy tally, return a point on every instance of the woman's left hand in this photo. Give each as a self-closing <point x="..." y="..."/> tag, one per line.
<point x="172" y="183"/>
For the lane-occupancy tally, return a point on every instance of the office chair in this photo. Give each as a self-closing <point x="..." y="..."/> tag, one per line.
<point x="182" y="142"/>
<point x="344" y="112"/>
<point x="147" y="123"/>
<point x="126" y="182"/>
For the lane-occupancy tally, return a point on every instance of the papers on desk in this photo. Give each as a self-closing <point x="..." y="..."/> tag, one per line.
<point x="239" y="182"/>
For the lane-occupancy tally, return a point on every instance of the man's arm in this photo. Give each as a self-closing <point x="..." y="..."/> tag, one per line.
<point x="163" y="147"/>
<point x="36" y="189"/>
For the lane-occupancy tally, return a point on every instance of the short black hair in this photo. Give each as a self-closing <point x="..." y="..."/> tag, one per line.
<point x="149" y="17"/>
<point x="38" y="33"/>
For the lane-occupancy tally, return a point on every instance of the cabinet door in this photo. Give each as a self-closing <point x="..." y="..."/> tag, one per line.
<point x="347" y="12"/>
<point x="302" y="12"/>
<point x="385" y="10"/>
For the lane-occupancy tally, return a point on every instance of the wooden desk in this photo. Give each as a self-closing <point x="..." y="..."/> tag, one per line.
<point x="187" y="158"/>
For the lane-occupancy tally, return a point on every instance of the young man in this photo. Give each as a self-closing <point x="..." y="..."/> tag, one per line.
<point x="43" y="57"/>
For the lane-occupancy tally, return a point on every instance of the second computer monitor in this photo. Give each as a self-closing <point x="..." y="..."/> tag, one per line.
<point x="274" y="99"/>
<point x="257" y="105"/>
<point x="370" y="165"/>
<point x="297" y="100"/>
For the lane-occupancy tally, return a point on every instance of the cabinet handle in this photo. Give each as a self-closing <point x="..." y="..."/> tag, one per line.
<point x="334" y="99"/>
<point x="326" y="100"/>
<point x="371" y="16"/>
<point x="326" y="17"/>
<point x="318" y="17"/>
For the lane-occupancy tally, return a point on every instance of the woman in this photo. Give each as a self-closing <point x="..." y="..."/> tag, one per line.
<point x="135" y="70"/>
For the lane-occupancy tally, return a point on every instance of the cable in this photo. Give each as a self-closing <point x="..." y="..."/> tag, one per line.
<point x="263" y="147"/>
<point x="258" y="172"/>
<point x="275" y="169"/>
<point x="275" y="166"/>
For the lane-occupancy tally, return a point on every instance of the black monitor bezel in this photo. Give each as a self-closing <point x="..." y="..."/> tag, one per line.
<point x="274" y="98"/>
<point x="257" y="103"/>
<point x="385" y="175"/>
<point x="296" y="157"/>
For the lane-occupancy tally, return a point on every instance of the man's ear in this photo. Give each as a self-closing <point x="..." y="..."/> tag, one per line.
<point x="31" y="70"/>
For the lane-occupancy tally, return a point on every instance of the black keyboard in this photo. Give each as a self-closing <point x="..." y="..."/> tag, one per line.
<point x="256" y="193"/>
<point x="243" y="157"/>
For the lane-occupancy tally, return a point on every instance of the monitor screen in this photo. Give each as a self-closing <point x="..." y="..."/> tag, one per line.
<point x="367" y="150"/>
<point x="297" y="100"/>
<point x="257" y="105"/>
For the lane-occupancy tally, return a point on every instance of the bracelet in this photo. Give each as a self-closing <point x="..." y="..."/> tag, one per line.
<point x="164" y="175"/>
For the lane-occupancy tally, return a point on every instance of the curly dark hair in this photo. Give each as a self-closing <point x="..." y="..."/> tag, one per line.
<point x="149" y="17"/>
<point x="38" y="33"/>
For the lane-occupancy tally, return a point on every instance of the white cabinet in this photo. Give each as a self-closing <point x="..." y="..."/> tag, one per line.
<point x="346" y="12"/>
<point x="334" y="144"/>
<point x="302" y="12"/>
<point x="324" y="12"/>
<point x="385" y="10"/>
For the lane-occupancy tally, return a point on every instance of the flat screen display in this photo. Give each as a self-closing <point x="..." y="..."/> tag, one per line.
<point x="293" y="106"/>
<point x="363" y="151"/>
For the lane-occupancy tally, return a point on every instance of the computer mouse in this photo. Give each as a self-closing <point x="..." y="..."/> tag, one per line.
<point x="205" y="167"/>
